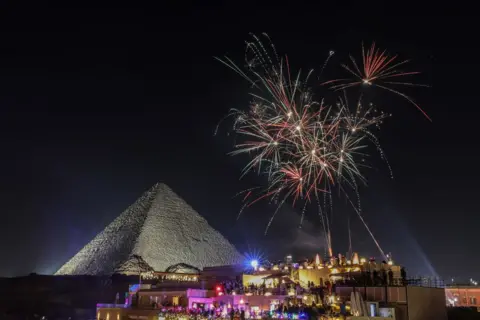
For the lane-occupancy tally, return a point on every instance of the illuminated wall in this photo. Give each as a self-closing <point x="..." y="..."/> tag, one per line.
<point x="126" y="314"/>
<point x="110" y="314"/>
<point x="257" y="279"/>
<point x="256" y="301"/>
<point x="463" y="296"/>
<point x="312" y="275"/>
<point x="397" y="273"/>
<point x="263" y="302"/>
<point x="160" y="297"/>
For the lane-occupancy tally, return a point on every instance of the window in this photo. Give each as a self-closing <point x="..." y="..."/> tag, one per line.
<point x="175" y="301"/>
<point x="473" y="301"/>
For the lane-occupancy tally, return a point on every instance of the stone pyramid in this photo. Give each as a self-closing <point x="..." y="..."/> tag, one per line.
<point x="157" y="231"/>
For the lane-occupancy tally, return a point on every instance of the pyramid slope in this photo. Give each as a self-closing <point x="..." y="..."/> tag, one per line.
<point x="175" y="233"/>
<point x="159" y="227"/>
<point x="134" y="265"/>
<point x="113" y="246"/>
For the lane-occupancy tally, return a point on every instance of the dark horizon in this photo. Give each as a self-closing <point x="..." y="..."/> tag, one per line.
<point x="99" y="104"/>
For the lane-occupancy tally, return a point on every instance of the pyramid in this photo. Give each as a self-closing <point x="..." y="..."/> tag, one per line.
<point x="159" y="230"/>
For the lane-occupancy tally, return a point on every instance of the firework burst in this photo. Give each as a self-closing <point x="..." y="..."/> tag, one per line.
<point x="304" y="147"/>
<point x="378" y="69"/>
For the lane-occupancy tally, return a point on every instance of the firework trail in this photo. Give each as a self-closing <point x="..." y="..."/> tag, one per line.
<point x="304" y="147"/>
<point x="378" y="69"/>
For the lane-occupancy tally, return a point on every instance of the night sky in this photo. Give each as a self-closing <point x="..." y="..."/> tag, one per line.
<point x="98" y="104"/>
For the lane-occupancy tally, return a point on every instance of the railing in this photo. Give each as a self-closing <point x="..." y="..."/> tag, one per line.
<point x="266" y="291"/>
<point x="426" y="282"/>
<point x="416" y="282"/>
<point x="368" y="282"/>
<point x="111" y="305"/>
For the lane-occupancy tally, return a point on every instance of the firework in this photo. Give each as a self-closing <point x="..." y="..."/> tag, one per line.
<point x="378" y="69"/>
<point x="304" y="147"/>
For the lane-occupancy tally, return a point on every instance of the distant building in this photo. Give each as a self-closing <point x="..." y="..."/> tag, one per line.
<point x="463" y="296"/>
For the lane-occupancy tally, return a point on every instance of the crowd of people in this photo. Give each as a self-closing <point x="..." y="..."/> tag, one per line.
<point x="374" y="278"/>
<point x="279" y="288"/>
<point x="285" y="310"/>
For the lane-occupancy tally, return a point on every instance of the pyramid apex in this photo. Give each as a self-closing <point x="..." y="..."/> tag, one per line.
<point x="160" y="186"/>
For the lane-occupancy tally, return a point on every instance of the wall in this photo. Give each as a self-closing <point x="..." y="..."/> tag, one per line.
<point x="126" y="314"/>
<point x="416" y="303"/>
<point x="262" y="301"/>
<point x="411" y="303"/>
<point x="200" y="293"/>
<point x="110" y="314"/>
<point x="252" y="301"/>
<point x="388" y="294"/>
<point x="426" y="303"/>
<point x="258" y="280"/>
<point x="147" y="298"/>
<point x="312" y="275"/>
<point x="463" y="296"/>
<point x="198" y="300"/>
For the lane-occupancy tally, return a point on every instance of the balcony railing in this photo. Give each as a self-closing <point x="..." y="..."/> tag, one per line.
<point x="111" y="305"/>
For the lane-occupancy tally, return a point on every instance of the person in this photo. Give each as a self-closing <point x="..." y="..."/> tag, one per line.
<point x="322" y="294"/>
<point x="343" y="310"/>
<point x="368" y="278"/>
<point x="232" y="313"/>
<point x="384" y="277"/>
<point x="135" y="299"/>
<point x="403" y="273"/>
<point x="375" y="277"/>
<point x="242" y="314"/>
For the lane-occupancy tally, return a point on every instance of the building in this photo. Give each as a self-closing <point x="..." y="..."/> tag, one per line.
<point x="463" y="296"/>
<point x="285" y="286"/>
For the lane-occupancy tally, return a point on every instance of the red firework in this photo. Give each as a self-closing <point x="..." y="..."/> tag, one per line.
<point x="378" y="69"/>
